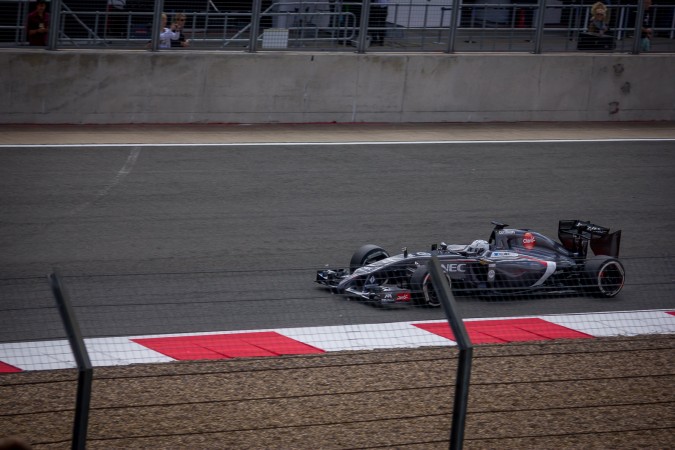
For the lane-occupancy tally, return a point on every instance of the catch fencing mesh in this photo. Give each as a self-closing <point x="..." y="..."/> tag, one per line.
<point x="390" y="26"/>
<point x="177" y="353"/>
<point x="140" y="317"/>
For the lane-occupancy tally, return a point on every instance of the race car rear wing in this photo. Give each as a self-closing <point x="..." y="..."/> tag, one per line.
<point x="575" y="235"/>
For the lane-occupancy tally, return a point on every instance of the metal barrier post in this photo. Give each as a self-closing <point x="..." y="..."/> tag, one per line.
<point x="84" y="379"/>
<point x="541" y="13"/>
<point x="363" y="27"/>
<point x="459" y="409"/>
<point x="455" y="17"/>
<point x="54" y="24"/>
<point x="156" y="24"/>
<point x="637" y="34"/>
<point x="255" y="26"/>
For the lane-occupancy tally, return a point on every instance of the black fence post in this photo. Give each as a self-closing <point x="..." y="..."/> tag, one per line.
<point x="256" y="6"/>
<point x="54" y="25"/>
<point x="539" y="26"/>
<point x="459" y="409"/>
<point x="84" y="379"/>
<point x="637" y="34"/>
<point x="156" y="24"/>
<point x="455" y="14"/>
<point x="362" y="43"/>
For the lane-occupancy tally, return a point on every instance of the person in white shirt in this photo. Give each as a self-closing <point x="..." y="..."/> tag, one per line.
<point x="167" y="34"/>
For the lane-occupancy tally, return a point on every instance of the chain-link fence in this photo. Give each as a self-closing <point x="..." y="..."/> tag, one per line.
<point x="368" y="26"/>
<point x="244" y="377"/>
<point x="154" y="317"/>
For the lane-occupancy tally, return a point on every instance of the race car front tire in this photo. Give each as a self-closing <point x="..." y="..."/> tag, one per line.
<point x="423" y="292"/>
<point x="365" y="255"/>
<point x="604" y="276"/>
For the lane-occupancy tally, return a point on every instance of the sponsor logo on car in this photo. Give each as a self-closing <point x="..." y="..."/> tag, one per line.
<point x="454" y="267"/>
<point x="503" y="254"/>
<point x="529" y="241"/>
<point x="403" y="296"/>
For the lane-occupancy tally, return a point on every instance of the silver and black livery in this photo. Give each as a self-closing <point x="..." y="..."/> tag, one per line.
<point x="511" y="262"/>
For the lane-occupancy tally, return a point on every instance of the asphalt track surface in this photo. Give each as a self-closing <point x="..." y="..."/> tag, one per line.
<point x="169" y="239"/>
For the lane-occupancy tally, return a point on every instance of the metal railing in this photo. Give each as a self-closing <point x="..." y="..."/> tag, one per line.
<point x="412" y="25"/>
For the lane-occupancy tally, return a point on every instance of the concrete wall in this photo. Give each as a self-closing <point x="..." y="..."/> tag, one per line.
<point x="39" y="86"/>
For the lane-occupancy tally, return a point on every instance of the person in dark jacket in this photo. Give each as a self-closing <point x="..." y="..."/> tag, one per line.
<point x="37" y="25"/>
<point x="178" y="26"/>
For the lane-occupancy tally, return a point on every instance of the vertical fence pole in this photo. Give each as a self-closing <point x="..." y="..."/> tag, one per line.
<point x="461" y="401"/>
<point x="84" y="379"/>
<point x="539" y="27"/>
<point x="156" y="24"/>
<point x="637" y="34"/>
<point x="255" y="26"/>
<point x="455" y="18"/>
<point x="363" y="27"/>
<point x="54" y="24"/>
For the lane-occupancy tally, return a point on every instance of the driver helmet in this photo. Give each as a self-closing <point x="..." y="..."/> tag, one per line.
<point x="478" y="247"/>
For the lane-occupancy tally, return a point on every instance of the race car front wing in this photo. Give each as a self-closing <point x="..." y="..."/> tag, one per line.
<point x="384" y="295"/>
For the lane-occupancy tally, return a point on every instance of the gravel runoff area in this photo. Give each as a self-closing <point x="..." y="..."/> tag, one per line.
<point x="596" y="393"/>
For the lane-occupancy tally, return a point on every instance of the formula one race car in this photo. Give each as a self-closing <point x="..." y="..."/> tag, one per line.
<point x="511" y="262"/>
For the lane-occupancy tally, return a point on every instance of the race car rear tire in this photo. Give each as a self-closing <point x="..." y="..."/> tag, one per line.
<point x="423" y="292"/>
<point x="605" y="276"/>
<point x="365" y="255"/>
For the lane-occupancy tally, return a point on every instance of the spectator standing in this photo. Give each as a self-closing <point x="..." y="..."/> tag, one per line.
<point x="378" y="21"/>
<point x="167" y="34"/>
<point x="646" y="31"/>
<point x="178" y="25"/>
<point x="598" y="23"/>
<point x="37" y="25"/>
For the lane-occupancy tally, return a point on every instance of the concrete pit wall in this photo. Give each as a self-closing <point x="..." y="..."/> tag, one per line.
<point x="93" y="87"/>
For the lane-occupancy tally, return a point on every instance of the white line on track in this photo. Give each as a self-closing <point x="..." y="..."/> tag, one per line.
<point x="121" y="174"/>
<point x="333" y="143"/>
